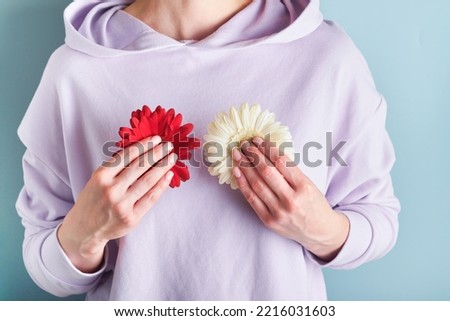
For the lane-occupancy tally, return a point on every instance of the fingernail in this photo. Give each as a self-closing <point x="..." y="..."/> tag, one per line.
<point x="175" y="157"/>
<point x="237" y="172"/>
<point x="156" y="139"/>
<point x="245" y="145"/>
<point x="236" y="155"/>
<point x="169" y="176"/>
<point x="258" y="141"/>
<point x="169" y="146"/>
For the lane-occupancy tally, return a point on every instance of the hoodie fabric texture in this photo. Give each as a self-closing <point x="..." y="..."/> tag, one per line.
<point x="203" y="241"/>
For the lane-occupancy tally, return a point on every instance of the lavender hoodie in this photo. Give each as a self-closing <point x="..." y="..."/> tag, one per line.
<point x="202" y="241"/>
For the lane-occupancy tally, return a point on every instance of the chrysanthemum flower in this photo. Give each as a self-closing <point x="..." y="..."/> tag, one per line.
<point x="167" y="125"/>
<point x="231" y="129"/>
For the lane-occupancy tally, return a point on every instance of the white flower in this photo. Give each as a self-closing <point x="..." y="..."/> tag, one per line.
<point x="231" y="129"/>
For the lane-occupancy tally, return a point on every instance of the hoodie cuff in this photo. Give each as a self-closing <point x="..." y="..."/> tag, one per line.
<point x="59" y="266"/>
<point x="357" y="243"/>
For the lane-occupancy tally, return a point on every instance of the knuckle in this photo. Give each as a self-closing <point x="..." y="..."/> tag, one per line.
<point x="147" y="160"/>
<point x="306" y="189"/>
<point x="251" y="198"/>
<point x="100" y="177"/>
<point x="131" y="153"/>
<point x="257" y="185"/>
<point x="153" y="195"/>
<point x="119" y="209"/>
<point x="266" y="171"/>
<point x="279" y="160"/>
<point x="127" y="221"/>
<point x="280" y="219"/>
<point x="133" y="149"/>
<point x="147" y="180"/>
<point x="290" y="204"/>
<point x="159" y="151"/>
<point x="151" y="179"/>
<point x="277" y="217"/>
<point x="271" y="223"/>
<point x="122" y="213"/>
<point x="158" y="189"/>
<point x="110" y="193"/>
<point x="139" y="162"/>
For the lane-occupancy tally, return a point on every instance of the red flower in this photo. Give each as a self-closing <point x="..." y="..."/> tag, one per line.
<point x="167" y="125"/>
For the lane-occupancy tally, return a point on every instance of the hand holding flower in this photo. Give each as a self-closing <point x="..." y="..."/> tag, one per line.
<point x="286" y="200"/>
<point x="123" y="190"/>
<point x="115" y="200"/>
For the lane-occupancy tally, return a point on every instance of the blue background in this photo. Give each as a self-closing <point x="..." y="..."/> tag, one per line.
<point x="407" y="45"/>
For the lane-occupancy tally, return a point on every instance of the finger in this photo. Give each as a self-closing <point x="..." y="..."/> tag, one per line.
<point x="143" y="163"/>
<point x="255" y="182"/>
<point x="267" y="171"/>
<point x="127" y="155"/>
<point x="252" y="198"/>
<point x="148" y="180"/>
<point x="146" y="202"/>
<point x="287" y="167"/>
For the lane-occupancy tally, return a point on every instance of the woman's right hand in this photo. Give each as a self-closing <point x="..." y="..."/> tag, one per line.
<point x="115" y="199"/>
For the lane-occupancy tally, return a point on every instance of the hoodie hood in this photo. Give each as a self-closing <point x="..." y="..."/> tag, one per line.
<point x="103" y="29"/>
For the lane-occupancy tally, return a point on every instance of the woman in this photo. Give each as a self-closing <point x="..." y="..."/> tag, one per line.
<point x="117" y="232"/>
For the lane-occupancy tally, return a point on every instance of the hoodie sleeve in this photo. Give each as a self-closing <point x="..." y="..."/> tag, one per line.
<point x="46" y="196"/>
<point x="369" y="202"/>
<point x="362" y="188"/>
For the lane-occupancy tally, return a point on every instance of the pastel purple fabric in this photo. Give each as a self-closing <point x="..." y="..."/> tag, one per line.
<point x="202" y="241"/>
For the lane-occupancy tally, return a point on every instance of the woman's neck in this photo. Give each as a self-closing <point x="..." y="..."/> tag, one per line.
<point x="186" y="19"/>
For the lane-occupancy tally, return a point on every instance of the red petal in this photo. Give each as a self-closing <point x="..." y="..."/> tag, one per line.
<point x="125" y="131"/>
<point x="196" y="143"/>
<point x="153" y="124"/>
<point x="134" y="122"/>
<point x="192" y="143"/>
<point x="186" y="129"/>
<point x="144" y="128"/>
<point x="136" y="114"/>
<point x="145" y="123"/>
<point x="175" y="180"/>
<point x="161" y="120"/>
<point x="181" y="170"/>
<point x="146" y="111"/>
<point x="183" y="153"/>
<point x="168" y="134"/>
<point x="134" y="138"/>
<point x="175" y="124"/>
<point x="124" y="143"/>
<point x="170" y="116"/>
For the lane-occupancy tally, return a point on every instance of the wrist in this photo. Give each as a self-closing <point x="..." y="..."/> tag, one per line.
<point x="329" y="240"/>
<point x="85" y="252"/>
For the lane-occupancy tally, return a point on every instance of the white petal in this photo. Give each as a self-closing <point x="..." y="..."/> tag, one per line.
<point x="225" y="177"/>
<point x="236" y="118"/>
<point x="255" y="110"/>
<point x="264" y="119"/>
<point x="234" y="126"/>
<point x="210" y="138"/>
<point x="245" y="116"/>
<point x="233" y="183"/>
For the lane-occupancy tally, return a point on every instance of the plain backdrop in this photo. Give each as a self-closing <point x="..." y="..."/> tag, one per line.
<point x="407" y="46"/>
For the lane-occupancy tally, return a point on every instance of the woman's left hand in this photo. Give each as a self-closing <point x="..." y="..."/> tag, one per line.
<point x="287" y="201"/>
